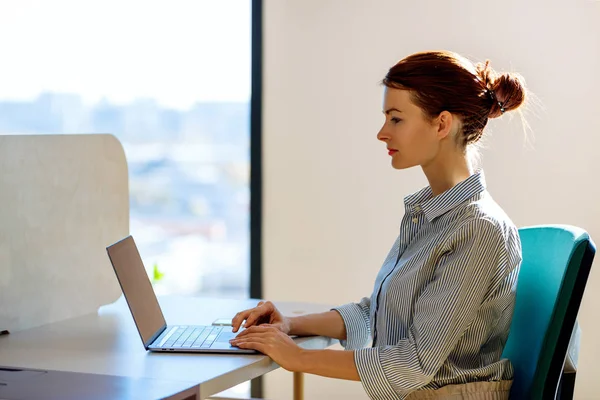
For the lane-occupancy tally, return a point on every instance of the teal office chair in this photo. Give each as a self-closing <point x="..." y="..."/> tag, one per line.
<point x="556" y="264"/>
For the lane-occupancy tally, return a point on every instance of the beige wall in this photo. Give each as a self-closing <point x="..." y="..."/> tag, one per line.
<point x="332" y="202"/>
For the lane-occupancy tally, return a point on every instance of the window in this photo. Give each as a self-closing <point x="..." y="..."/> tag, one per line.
<point x="171" y="80"/>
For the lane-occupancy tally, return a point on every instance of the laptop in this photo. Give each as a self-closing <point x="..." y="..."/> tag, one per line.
<point x="154" y="331"/>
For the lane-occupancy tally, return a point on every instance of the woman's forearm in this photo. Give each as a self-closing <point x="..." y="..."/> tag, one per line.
<point x="329" y="324"/>
<point x="337" y="364"/>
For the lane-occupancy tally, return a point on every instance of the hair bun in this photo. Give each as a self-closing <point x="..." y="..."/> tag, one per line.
<point x="507" y="89"/>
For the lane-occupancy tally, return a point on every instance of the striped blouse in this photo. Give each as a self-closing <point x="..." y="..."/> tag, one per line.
<point x="443" y="300"/>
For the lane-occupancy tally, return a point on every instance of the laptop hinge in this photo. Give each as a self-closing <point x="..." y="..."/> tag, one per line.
<point x="156" y="335"/>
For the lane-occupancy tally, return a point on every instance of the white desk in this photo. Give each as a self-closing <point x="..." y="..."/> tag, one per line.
<point x="108" y="343"/>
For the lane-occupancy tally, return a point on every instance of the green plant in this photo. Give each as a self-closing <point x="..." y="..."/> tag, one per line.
<point x="156" y="274"/>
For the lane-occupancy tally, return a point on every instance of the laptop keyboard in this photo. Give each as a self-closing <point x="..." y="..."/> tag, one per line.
<point x="193" y="337"/>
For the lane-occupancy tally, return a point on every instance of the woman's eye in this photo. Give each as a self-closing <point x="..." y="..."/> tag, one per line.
<point x="395" y="120"/>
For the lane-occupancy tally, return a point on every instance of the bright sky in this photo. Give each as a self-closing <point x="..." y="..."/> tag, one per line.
<point x="175" y="51"/>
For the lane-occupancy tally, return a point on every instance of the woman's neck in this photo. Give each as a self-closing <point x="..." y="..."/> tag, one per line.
<point x="443" y="174"/>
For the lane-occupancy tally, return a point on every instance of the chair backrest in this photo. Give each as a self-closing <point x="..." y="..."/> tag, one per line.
<point x="556" y="264"/>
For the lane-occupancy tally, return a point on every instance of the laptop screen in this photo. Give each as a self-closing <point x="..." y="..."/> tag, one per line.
<point x="137" y="288"/>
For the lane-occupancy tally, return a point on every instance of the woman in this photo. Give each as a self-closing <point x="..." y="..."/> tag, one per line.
<point x="442" y="304"/>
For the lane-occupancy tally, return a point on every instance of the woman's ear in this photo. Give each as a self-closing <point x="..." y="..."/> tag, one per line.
<point x="444" y="124"/>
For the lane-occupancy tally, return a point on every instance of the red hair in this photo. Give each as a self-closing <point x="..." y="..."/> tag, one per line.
<point x="445" y="81"/>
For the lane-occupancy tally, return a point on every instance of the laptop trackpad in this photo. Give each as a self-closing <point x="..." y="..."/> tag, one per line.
<point x="225" y="337"/>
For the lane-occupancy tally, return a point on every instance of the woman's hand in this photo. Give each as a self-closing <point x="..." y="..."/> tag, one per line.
<point x="271" y="341"/>
<point x="264" y="313"/>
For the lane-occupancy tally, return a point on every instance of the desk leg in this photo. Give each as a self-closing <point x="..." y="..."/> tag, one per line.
<point x="298" y="386"/>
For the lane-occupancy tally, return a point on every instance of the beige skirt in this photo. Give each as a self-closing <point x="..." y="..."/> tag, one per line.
<point x="468" y="391"/>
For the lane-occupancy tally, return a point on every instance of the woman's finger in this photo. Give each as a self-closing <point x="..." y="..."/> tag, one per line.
<point x="237" y="320"/>
<point x="253" y="330"/>
<point x="253" y="345"/>
<point x="257" y="332"/>
<point x="247" y="331"/>
<point x="254" y="316"/>
<point x="264" y="309"/>
<point x="253" y="339"/>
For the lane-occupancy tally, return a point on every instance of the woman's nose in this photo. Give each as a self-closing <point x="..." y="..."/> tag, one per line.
<point x="381" y="135"/>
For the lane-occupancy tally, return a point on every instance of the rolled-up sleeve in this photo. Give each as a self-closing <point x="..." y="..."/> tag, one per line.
<point x="356" y="320"/>
<point x="443" y="312"/>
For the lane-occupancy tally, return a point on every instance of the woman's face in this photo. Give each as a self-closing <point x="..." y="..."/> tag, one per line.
<point x="411" y="138"/>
